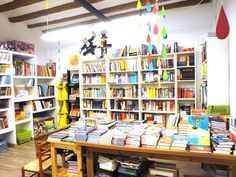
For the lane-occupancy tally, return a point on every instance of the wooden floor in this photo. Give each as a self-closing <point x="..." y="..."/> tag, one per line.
<point x="12" y="160"/>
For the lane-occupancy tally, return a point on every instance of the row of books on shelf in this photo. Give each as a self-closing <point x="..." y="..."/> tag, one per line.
<point x="123" y="78"/>
<point x="158" y="106"/>
<point x="164" y="63"/>
<point x="95" y="104"/>
<point x="43" y="125"/>
<point x="3" y="121"/>
<point x="45" y="90"/>
<point x="5" y="91"/>
<point x="152" y="92"/>
<point x="127" y="92"/>
<point x="5" y="80"/>
<point x="122" y="116"/>
<point x="4" y="57"/>
<point x="91" y="68"/>
<point x="124" y="105"/>
<point x="94" y="79"/>
<point x="119" y="53"/>
<point x="48" y="70"/>
<point x="43" y="104"/>
<point x="187" y="60"/>
<point x="3" y="67"/>
<point x="186" y="93"/>
<point x="129" y="65"/>
<point x="153" y="77"/>
<point x="23" y="68"/>
<point x="186" y="74"/>
<point x="4" y="103"/>
<point x="95" y="92"/>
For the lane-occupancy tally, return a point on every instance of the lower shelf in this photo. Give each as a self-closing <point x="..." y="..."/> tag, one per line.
<point x="5" y="130"/>
<point x="62" y="172"/>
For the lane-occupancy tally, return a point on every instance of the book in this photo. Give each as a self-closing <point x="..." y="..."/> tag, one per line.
<point x="198" y="131"/>
<point x="201" y="149"/>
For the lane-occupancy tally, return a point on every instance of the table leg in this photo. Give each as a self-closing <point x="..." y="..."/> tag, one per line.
<point x="232" y="171"/>
<point x="54" y="161"/>
<point x="80" y="161"/>
<point x="89" y="161"/>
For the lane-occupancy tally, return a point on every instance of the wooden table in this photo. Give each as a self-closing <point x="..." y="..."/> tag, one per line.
<point x="91" y="148"/>
<point x="62" y="172"/>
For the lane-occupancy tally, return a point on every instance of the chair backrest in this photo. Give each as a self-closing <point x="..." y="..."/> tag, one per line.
<point x="43" y="154"/>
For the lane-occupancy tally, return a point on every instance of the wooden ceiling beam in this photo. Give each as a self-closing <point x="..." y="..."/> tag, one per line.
<point x="88" y="6"/>
<point x="113" y="9"/>
<point x="49" y="11"/>
<point x="17" y="4"/>
<point x="113" y="17"/>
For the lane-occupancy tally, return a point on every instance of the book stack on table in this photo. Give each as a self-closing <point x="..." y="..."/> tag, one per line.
<point x="151" y="136"/>
<point x="179" y="142"/>
<point x="134" y="137"/>
<point x="93" y="136"/>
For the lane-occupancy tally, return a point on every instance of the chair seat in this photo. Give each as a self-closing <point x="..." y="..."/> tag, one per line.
<point x="34" y="165"/>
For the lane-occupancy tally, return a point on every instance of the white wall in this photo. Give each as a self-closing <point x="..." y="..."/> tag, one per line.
<point x="19" y="31"/>
<point x="230" y="9"/>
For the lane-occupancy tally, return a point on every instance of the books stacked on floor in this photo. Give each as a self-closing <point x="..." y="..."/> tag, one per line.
<point x="93" y="136"/>
<point x="134" y="137"/>
<point x="130" y="167"/>
<point x="162" y="169"/>
<point x="150" y="137"/>
<point x="183" y="127"/>
<point x="82" y="133"/>
<point x="179" y="142"/>
<point x="107" y="162"/>
<point x="222" y="144"/>
<point x="164" y="143"/>
<point x="72" y="168"/>
<point x="198" y="134"/>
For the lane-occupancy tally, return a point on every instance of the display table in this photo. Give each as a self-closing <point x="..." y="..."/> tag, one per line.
<point x="91" y="148"/>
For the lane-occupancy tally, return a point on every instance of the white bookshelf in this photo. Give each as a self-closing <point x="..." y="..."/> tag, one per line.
<point x="19" y="82"/>
<point x="139" y="71"/>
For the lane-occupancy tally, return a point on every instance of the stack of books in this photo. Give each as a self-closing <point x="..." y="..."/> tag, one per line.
<point x="72" y="168"/>
<point x="162" y="169"/>
<point x="183" y="127"/>
<point x="222" y="144"/>
<point x="107" y="162"/>
<point x="150" y="137"/>
<point x="106" y="138"/>
<point x="82" y="133"/>
<point x="130" y="167"/>
<point x="200" y="149"/>
<point x="217" y="123"/>
<point x="179" y="142"/>
<point x="93" y="136"/>
<point x="134" y="137"/>
<point x="164" y="143"/>
<point x="58" y="135"/>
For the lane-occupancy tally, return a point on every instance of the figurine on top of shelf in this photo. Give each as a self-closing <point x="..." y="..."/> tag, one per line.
<point x="88" y="46"/>
<point x="104" y="44"/>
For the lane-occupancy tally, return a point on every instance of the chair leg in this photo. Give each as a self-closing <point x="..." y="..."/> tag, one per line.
<point x="22" y="172"/>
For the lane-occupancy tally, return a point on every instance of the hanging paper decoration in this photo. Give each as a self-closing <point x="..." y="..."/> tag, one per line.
<point x="147" y="1"/>
<point x="163" y="12"/>
<point x="148" y="38"/>
<point x="164" y="52"/>
<point x="222" y="28"/>
<point x="149" y="26"/>
<point x="154" y="9"/>
<point x="151" y="67"/>
<point x="158" y="38"/>
<point x="46" y="4"/>
<point x="165" y="75"/>
<point x="150" y="47"/>
<point x="155" y="30"/>
<point x="149" y="7"/>
<point x="139" y="5"/>
<point x="164" y="33"/>
<point x="149" y="57"/>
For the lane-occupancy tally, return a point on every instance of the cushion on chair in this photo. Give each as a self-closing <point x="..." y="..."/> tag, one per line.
<point x="34" y="165"/>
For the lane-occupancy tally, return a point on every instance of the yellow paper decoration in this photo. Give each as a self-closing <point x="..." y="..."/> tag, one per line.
<point x="46" y="4"/>
<point x="139" y="5"/>
<point x="158" y="38"/>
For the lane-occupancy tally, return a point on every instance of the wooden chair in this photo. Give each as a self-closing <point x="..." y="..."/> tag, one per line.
<point x="42" y="163"/>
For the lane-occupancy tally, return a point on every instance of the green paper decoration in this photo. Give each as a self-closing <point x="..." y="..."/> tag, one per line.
<point x="164" y="52"/>
<point x="165" y="75"/>
<point x="164" y="33"/>
<point x="163" y="12"/>
<point x="139" y="5"/>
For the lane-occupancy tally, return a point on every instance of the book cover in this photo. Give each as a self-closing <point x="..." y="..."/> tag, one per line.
<point x="198" y="131"/>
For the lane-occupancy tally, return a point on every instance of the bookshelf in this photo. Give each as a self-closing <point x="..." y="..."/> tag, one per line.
<point x="134" y="90"/>
<point x="22" y="80"/>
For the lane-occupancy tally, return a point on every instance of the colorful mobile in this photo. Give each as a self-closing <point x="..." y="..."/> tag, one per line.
<point x="139" y="5"/>
<point x="163" y="12"/>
